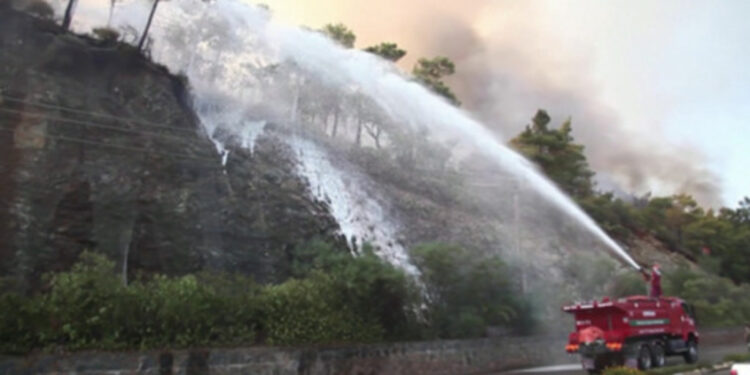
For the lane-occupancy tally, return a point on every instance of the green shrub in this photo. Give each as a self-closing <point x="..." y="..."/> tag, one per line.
<point x="467" y="293"/>
<point x="678" y="369"/>
<point x="738" y="357"/>
<point x="24" y="323"/>
<point x="310" y="311"/>
<point x="338" y="298"/>
<point x="187" y="311"/>
<point x="718" y="301"/>
<point x="334" y="298"/>
<point x="622" y="370"/>
<point x="106" y="34"/>
<point x="370" y="287"/>
<point x="88" y="307"/>
<point x="84" y="302"/>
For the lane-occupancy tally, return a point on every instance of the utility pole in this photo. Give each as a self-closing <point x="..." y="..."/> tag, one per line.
<point x="517" y="230"/>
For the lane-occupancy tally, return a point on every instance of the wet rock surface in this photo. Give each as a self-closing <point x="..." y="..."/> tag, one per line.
<point x="100" y="150"/>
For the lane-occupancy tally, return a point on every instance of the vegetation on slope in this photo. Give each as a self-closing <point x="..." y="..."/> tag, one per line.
<point x="719" y="240"/>
<point x="333" y="298"/>
<point x="718" y="301"/>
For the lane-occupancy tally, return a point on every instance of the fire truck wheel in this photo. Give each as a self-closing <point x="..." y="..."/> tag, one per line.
<point x="657" y="355"/>
<point x="644" y="358"/>
<point x="691" y="355"/>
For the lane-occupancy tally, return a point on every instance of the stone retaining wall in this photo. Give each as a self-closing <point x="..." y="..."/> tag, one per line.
<point x="439" y="357"/>
<point x="435" y="357"/>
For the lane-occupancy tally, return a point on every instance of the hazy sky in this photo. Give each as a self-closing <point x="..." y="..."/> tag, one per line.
<point x="659" y="91"/>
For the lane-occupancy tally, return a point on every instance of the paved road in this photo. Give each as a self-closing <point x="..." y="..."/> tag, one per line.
<point x="711" y="354"/>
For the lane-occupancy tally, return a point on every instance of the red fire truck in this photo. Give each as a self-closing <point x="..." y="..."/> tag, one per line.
<point x="637" y="331"/>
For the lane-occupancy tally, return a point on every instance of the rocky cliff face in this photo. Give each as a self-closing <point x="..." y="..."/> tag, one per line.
<point x="99" y="149"/>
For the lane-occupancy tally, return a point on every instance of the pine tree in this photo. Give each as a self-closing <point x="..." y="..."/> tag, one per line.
<point x="557" y="154"/>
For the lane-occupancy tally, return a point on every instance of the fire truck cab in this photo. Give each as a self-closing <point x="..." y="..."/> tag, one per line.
<point x="636" y="331"/>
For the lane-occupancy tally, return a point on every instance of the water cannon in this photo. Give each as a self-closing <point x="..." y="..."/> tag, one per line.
<point x="644" y="270"/>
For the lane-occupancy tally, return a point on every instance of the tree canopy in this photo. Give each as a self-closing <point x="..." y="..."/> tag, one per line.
<point x="719" y="242"/>
<point x="431" y="72"/>
<point x="340" y="33"/>
<point x="557" y="154"/>
<point x="388" y="51"/>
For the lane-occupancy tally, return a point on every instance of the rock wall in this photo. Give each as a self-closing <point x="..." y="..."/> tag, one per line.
<point x="100" y="150"/>
<point x="444" y="357"/>
<point x="478" y="356"/>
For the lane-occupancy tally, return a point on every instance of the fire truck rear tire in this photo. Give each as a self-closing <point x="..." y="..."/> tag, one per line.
<point x="644" y="358"/>
<point x="691" y="355"/>
<point x="657" y="355"/>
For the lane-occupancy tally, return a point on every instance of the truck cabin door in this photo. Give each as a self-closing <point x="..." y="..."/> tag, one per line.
<point x="690" y="312"/>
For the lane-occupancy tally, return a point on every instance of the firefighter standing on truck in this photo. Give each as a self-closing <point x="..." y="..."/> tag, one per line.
<point x="654" y="279"/>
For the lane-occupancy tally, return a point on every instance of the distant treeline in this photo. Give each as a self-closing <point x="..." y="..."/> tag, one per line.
<point x="719" y="240"/>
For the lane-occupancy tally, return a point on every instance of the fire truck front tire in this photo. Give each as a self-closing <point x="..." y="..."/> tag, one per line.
<point x="657" y="355"/>
<point x="644" y="358"/>
<point x="691" y="355"/>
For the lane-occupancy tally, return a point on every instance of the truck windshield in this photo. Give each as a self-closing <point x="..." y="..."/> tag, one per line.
<point x="689" y="310"/>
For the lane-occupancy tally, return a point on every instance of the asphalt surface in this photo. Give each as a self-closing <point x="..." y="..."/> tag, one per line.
<point x="712" y="354"/>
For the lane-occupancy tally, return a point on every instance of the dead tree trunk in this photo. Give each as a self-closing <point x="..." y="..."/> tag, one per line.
<point x="358" y="139"/>
<point x="335" y="123"/>
<point x="68" y="14"/>
<point x="148" y="25"/>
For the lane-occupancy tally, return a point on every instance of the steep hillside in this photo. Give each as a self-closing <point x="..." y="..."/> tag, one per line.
<point x="100" y="149"/>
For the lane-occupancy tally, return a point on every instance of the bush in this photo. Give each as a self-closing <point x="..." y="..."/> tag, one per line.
<point x="310" y="311"/>
<point x="337" y="298"/>
<point x="622" y="370"/>
<point x="467" y="293"/>
<point x="678" y="369"/>
<point x="189" y="313"/>
<point x="616" y="217"/>
<point x="88" y="307"/>
<point x="743" y="357"/>
<point x="369" y="286"/>
<point x="24" y="324"/>
<point x="84" y="303"/>
<point x="717" y="301"/>
<point x="334" y="298"/>
<point x="106" y="34"/>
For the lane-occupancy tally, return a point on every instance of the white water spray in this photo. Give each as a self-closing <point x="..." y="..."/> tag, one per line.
<point x="225" y="47"/>
<point x="360" y="216"/>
